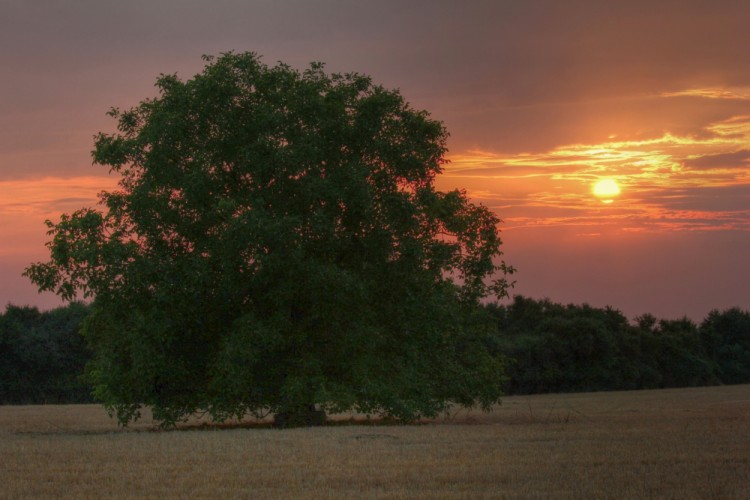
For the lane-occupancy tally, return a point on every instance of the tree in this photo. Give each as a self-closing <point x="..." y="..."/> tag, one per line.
<point x="277" y="244"/>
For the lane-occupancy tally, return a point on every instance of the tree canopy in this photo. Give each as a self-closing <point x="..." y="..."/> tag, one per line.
<point x="277" y="242"/>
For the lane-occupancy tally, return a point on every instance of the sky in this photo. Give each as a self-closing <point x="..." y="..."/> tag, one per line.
<point x="543" y="99"/>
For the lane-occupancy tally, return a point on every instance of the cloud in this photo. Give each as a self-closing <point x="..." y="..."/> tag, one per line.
<point x="731" y="93"/>
<point x="725" y="199"/>
<point x="50" y="196"/>
<point x="736" y="159"/>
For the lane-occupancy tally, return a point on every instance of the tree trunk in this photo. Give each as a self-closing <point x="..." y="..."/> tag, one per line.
<point x="303" y="416"/>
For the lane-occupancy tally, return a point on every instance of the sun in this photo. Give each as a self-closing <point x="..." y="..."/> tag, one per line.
<point x="606" y="190"/>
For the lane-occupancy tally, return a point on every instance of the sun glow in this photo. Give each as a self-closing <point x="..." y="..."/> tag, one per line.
<point x="606" y="190"/>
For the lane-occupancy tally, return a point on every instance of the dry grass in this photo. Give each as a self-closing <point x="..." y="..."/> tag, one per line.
<point x="689" y="443"/>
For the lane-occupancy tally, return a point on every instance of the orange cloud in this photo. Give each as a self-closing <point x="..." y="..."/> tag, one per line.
<point x="51" y="194"/>
<point x="26" y="203"/>
<point x="670" y="182"/>
<point x="741" y="93"/>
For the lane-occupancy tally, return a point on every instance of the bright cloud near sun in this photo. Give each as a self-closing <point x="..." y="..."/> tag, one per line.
<point x="670" y="182"/>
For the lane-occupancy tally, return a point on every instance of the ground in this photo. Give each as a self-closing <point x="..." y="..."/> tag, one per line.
<point x="686" y="443"/>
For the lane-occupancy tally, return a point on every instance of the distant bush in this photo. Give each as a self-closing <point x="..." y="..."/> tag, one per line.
<point x="42" y="355"/>
<point x="568" y="348"/>
<point x="726" y="336"/>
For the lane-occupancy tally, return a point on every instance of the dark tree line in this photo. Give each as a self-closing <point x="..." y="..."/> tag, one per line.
<point x="42" y="355"/>
<point x="551" y="348"/>
<point x="568" y="348"/>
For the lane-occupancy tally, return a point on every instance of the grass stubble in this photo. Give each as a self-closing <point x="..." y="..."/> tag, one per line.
<point x="681" y="443"/>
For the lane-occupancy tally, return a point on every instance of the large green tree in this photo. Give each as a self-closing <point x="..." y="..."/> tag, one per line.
<point x="277" y="244"/>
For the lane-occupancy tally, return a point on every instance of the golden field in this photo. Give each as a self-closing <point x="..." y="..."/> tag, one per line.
<point x="681" y="443"/>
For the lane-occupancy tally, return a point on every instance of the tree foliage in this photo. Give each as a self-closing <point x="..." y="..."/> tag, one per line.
<point x="277" y="242"/>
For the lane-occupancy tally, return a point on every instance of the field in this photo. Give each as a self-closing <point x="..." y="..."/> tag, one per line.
<point x="686" y="443"/>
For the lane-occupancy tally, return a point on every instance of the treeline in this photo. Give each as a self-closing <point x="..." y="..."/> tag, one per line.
<point x="571" y="348"/>
<point x="42" y="355"/>
<point x="550" y="348"/>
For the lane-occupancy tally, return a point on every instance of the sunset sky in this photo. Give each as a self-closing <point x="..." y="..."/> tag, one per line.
<point x="543" y="99"/>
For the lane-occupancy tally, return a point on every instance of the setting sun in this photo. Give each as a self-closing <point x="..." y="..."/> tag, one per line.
<point x="606" y="190"/>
